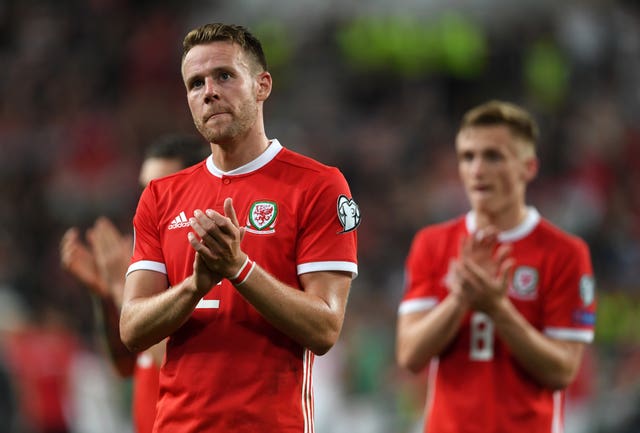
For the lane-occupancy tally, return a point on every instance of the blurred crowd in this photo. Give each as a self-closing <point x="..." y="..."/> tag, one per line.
<point x="376" y="90"/>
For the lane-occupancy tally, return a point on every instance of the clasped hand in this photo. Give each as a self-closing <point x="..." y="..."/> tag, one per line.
<point x="480" y="274"/>
<point x="216" y="239"/>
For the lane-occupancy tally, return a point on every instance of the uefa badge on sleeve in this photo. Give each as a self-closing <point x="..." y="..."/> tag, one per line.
<point x="348" y="214"/>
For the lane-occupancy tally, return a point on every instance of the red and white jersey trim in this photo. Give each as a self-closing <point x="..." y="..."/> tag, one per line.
<point x="274" y="148"/>
<point x="521" y="231"/>
<point x="304" y="268"/>
<point x="582" y="335"/>
<point x="307" y="392"/>
<point x="147" y="265"/>
<point x="557" y="423"/>
<point x="144" y="360"/>
<point x="418" y="304"/>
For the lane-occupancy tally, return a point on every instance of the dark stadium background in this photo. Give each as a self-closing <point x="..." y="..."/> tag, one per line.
<point x="373" y="87"/>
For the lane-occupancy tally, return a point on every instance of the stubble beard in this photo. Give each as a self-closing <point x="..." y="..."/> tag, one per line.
<point x="242" y="120"/>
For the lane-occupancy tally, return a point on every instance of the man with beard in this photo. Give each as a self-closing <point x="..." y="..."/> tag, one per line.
<point x="244" y="261"/>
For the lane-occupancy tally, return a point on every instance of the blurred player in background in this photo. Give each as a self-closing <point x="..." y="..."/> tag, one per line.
<point x="244" y="262"/>
<point x="101" y="265"/>
<point x="500" y="301"/>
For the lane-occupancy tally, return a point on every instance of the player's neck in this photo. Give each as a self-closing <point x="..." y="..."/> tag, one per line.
<point x="231" y="155"/>
<point x="503" y="220"/>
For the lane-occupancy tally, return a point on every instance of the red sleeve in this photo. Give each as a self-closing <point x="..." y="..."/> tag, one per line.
<point x="427" y="265"/>
<point x="421" y="277"/>
<point x="570" y="302"/>
<point x="418" y="277"/>
<point x="147" y="251"/>
<point x="327" y="231"/>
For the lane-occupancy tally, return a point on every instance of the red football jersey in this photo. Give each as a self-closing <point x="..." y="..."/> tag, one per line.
<point x="476" y="385"/>
<point x="227" y="368"/>
<point x="145" y="393"/>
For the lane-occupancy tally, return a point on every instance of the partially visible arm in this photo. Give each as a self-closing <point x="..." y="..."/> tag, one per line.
<point x="423" y="335"/>
<point x="112" y="252"/>
<point x="152" y="311"/>
<point x="312" y="316"/>
<point x="122" y="359"/>
<point x="80" y="261"/>
<point x="157" y="352"/>
<point x="553" y="363"/>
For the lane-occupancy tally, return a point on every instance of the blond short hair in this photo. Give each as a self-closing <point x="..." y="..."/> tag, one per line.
<point x="215" y="32"/>
<point x="499" y="113"/>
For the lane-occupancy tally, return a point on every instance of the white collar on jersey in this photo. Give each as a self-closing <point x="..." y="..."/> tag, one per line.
<point x="522" y="230"/>
<point x="270" y="152"/>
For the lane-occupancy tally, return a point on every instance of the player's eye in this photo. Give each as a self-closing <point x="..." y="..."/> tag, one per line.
<point x="493" y="156"/>
<point x="465" y="157"/>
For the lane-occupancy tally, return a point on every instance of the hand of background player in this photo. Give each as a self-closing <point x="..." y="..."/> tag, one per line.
<point x="453" y="282"/>
<point x="482" y="271"/>
<point x="112" y="252"/>
<point x="479" y="248"/>
<point x="78" y="260"/>
<point x="217" y="240"/>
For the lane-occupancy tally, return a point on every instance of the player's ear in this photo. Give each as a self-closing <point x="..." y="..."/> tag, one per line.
<point x="264" y="84"/>
<point x="530" y="168"/>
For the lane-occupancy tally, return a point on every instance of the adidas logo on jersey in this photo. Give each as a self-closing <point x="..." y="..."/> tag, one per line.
<point x="179" y="222"/>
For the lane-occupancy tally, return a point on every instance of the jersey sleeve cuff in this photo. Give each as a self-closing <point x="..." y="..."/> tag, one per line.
<point x="418" y="304"/>
<point x="147" y="265"/>
<point x="570" y="334"/>
<point x="328" y="266"/>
